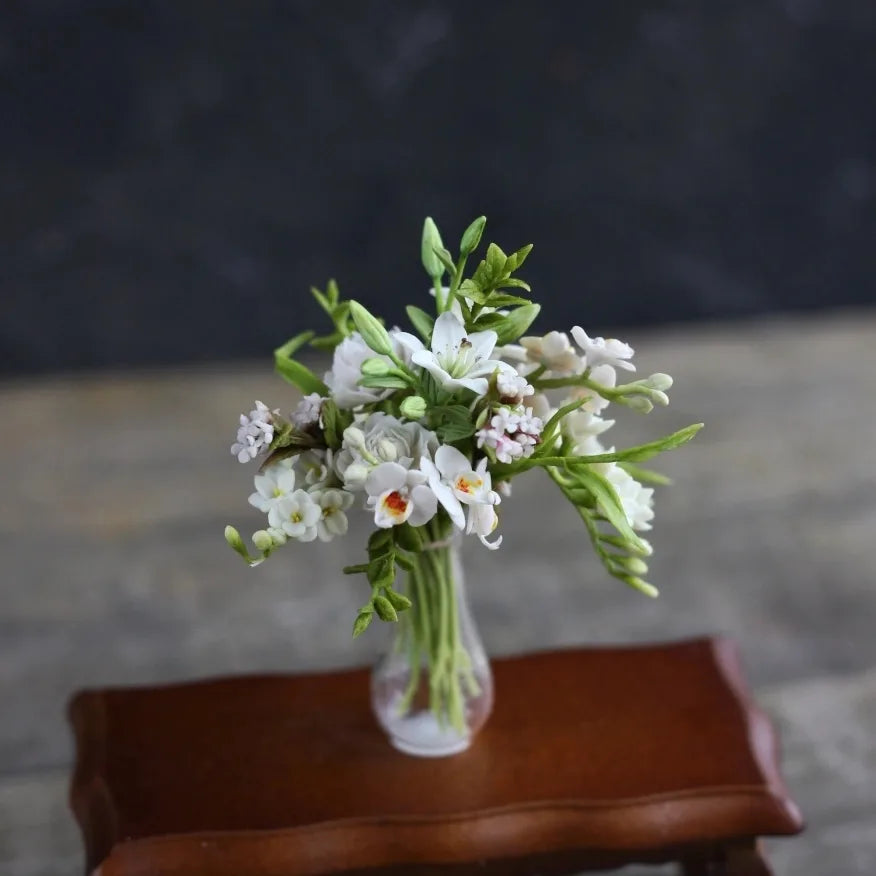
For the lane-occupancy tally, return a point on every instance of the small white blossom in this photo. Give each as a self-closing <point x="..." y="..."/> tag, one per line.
<point x="512" y="387"/>
<point x="299" y="515"/>
<point x="317" y="468"/>
<point x="482" y="521"/>
<point x="602" y="351"/>
<point x="636" y="500"/>
<point x="580" y="425"/>
<point x="511" y="433"/>
<point x="399" y="495"/>
<point x="255" y="433"/>
<point x="381" y="438"/>
<point x="273" y="485"/>
<point x="555" y="352"/>
<point x="332" y="503"/>
<point x="457" y="360"/>
<point x="307" y="412"/>
<point x="455" y="483"/>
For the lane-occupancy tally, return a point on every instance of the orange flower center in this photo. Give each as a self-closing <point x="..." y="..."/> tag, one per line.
<point x="396" y="502"/>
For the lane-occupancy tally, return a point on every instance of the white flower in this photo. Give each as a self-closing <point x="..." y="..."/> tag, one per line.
<point x="512" y="433"/>
<point x="636" y="500"/>
<point x="512" y="387"/>
<point x="482" y="521"/>
<point x="332" y="504"/>
<point x="580" y="425"/>
<point x="255" y="433"/>
<point x="555" y="352"/>
<point x="455" y="483"/>
<point x="602" y="351"/>
<point x="457" y="360"/>
<point x="307" y="412"/>
<point x="343" y="379"/>
<point x="399" y="495"/>
<point x="317" y="467"/>
<point x="378" y="439"/>
<point x="604" y="375"/>
<point x="299" y="515"/>
<point x="273" y="485"/>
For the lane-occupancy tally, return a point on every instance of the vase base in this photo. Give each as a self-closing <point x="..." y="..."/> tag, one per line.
<point x="422" y="736"/>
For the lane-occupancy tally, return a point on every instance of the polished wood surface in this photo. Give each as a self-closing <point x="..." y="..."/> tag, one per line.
<point x="593" y="757"/>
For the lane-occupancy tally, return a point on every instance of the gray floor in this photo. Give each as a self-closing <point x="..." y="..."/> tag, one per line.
<point x="116" y="490"/>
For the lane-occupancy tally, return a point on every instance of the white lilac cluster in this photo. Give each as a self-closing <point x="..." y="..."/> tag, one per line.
<point x="512" y="433"/>
<point x="255" y="433"/>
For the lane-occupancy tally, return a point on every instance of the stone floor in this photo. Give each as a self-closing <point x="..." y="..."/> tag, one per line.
<point x="116" y="490"/>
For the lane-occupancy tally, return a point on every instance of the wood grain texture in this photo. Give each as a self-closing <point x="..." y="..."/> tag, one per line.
<point x="594" y="754"/>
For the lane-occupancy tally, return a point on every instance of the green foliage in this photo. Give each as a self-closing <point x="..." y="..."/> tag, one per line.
<point x="451" y="422"/>
<point x="421" y="321"/>
<point x="334" y="422"/>
<point x="508" y="327"/>
<point x="293" y="371"/>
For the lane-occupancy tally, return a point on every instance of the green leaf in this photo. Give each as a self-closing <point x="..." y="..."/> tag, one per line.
<point x="334" y="422"/>
<point x="553" y="424"/>
<point x="503" y="299"/>
<point x="446" y="259"/>
<point x="381" y="570"/>
<point x="608" y="502"/>
<point x="431" y="242"/>
<point x="297" y="374"/>
<point x="371" y="329"/>
<point x="509" y="327"/>
<point x="516" y="282"/>
<point x="293" y="345"/>
<point x="327" y="342"/>
<point x="645" y="475"/>
<point x="469" y="289"/>
<point x="455" y="431"/>
<point x="409" y="538"/>
<point x="379" y="542"/>
<point x="333" y="293"/>
<point x="516" y="259"/>
<point x="421" y="321"/>
<point x="472" y="236"/>
<point x="390" y="381"/>
<point x="495" y="261"/>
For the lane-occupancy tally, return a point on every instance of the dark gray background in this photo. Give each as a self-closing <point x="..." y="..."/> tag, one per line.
<point x="175" y="175"/>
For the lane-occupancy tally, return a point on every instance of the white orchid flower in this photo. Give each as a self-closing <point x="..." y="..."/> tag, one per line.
<point x="399" y="495"/>
<point x="455" y="483"/>
<point x="482" y="521"/>
<point x="273" y="485"/>
<point x="457" y="360"/>
<point x="604" y="351"/>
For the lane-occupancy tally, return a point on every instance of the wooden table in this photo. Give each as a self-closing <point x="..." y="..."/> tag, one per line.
<point x="593" y="758"/>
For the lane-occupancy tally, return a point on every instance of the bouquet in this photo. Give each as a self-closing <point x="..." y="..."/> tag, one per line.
<point x="425" y="431"/>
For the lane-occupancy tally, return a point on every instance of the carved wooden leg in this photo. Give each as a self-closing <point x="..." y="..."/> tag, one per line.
<point x="747" y="859"/>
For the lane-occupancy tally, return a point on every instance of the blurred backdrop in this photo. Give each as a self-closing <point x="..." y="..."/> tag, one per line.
<point x="175" y="174"/>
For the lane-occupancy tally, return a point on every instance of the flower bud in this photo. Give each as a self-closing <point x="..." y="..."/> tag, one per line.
<point x="354" y="437"/>
<point x="413" y="407"/>
<point x="278" y="537"/>
<point x="262" y="540"/>
<point x="660" y="381"/>
<point x="385" y="610"/>
<point x="387" y="450"/>
<point x="232" y="536"/>
<point x="660" y="397"/>
<point x="639" y="403"/>
<point x="376" y="367"/>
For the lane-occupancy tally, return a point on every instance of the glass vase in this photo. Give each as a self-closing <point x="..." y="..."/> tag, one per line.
<point x="433" y="689"/>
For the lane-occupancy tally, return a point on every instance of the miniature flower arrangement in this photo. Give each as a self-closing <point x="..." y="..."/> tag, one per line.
<point x="425" y="433"/>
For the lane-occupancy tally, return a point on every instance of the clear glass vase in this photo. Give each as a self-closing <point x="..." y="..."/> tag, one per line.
<point x="433" y="690"/>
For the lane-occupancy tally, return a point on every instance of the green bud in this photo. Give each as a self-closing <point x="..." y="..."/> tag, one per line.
<point x="635" y="565"/>
<point x="660" y="397"/>
<point x="385" y="610"/>
<point x="399" y="601"/>
<point x="660" y="381"/>
<point x="431" y="242"/>
<point x="413" y="407"/>
<point x="642" y="586"/>
<point x="262" y="540"/>
<point x="376" y="367"/>
<point x="373" y="333"/>
<point x="472" y="236"/>
<point x="362" y="622"/>
<point x="235" y="542"/>
<point x="638" y="403"/>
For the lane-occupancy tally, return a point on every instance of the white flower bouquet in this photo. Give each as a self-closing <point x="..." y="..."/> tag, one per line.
<point x="425" y="433"/>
